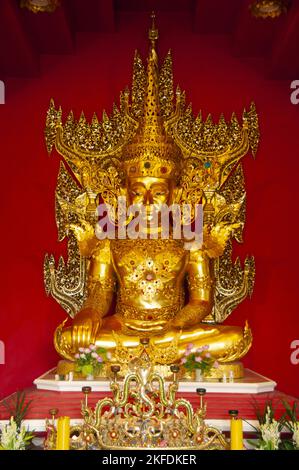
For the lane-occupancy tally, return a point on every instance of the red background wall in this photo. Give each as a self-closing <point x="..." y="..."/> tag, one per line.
<point x="90" y="78"/>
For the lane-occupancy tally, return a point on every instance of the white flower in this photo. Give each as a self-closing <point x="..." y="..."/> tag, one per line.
<point x="92" y="347"/>
<point x="82" y="356"/>
<point x="87" y="350"/>
<point x="12" y="438"/>
<point x="295" y="427"/>
<point x="270" y="432"/>
<point x="94" y="354"/>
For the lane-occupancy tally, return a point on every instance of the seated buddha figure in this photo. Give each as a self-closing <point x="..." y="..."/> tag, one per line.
<point x="149" y="275"/>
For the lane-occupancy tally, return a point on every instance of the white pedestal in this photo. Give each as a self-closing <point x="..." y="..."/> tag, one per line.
<point x="252" y="383"/>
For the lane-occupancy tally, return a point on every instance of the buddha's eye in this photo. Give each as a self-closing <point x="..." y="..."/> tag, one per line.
<point x="160" y="193"/>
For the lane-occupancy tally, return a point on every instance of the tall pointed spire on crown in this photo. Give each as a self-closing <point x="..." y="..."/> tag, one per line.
<point x="152" y="105"/>
<point x="153" y="152"/>
<point x="152" y="125"/>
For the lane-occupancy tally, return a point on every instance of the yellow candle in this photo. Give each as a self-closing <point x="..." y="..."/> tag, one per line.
<point x="236" y="434"/>
<point x="63" y="433"/>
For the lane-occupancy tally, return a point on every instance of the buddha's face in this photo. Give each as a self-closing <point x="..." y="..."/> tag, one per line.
<point x="150" y="192"/>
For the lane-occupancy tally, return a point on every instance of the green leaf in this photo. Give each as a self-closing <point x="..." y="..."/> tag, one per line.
<point x="16" y="406"/>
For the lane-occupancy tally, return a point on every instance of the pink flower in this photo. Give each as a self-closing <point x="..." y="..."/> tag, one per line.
<point x="183" y="360"/>
<point x="92" y="347"/>
<point x="94" y="354"/>
<point x="199" y="350"/>
<point x="87" y="350"/>
<point x="190" y="346"/>
<point x="208" y="355"/>
<point x="77" y="356"/>
<point x="100" y="359"/>
<point x="81" y="350"/>
<point x="206" y="347"/>
<point x="198" y="359"/>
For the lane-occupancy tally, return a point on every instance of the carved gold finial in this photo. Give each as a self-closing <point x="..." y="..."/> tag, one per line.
<point x="152" y="152"/>
<point x="153" y="33"/>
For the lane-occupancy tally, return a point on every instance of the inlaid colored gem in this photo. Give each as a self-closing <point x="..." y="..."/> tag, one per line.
<point x="207" y="164"/>
<point x="149" y="277"/>
<point x="163" y="169"/>
<point x="147" y="165"/>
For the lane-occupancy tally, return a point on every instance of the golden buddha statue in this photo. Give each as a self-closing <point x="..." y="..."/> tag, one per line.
<point x="154" y="154"/>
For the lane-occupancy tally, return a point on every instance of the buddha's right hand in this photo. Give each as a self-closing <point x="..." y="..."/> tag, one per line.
<point x="85" y="328"/>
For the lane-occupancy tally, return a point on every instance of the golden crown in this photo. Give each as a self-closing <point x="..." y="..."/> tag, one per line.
<point x="149" y="135"/>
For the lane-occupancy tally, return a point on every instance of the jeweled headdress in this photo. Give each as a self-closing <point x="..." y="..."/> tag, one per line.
<point x="149" y="135"/>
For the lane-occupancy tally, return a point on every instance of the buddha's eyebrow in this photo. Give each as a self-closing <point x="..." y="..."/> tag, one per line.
<point x="159" y="185"/>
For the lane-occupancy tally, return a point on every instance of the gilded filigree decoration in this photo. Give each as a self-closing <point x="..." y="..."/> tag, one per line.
<point x="268" y="8"/>
<point x="144" y="413"/>
<point x="239" y="349"/>
<point x="66" y="283"/>
<point x="138" y="87"/>
<point x="162" y="355"/>
<point x="166" y="95"/>
<point x="233" y="284"/>
<point x="214" y="147"/>
<point x="128" y="311"/>
<point x="70" y="202"/>
<point x="40" y="6"/>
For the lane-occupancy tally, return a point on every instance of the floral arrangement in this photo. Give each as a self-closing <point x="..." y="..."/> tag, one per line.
<point x="89" y="361"/>
<point x="269" y="430"/>
<point x="201" y="359"/>
<point x="291" y="422"/>
<point x="14" y="437"/>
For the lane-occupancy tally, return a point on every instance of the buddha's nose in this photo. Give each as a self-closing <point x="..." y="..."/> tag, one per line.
<point x="148" y="199"/>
